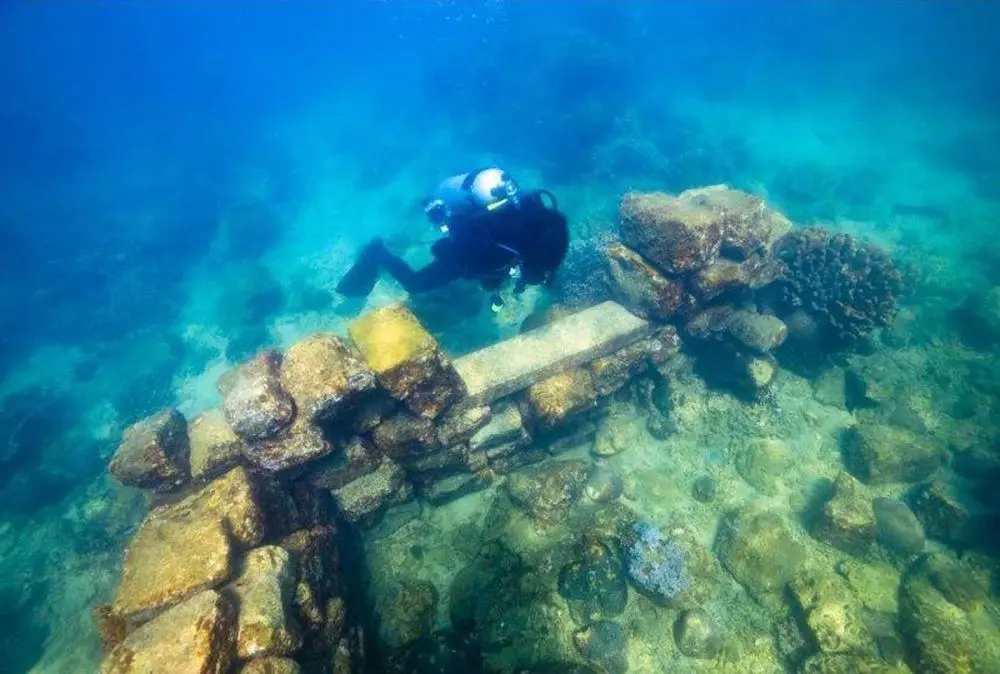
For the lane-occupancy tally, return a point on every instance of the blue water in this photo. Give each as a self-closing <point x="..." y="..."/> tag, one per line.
<point x="183" y="183"/>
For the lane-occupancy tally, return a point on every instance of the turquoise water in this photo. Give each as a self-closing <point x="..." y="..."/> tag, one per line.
<point x="183" y="185"/>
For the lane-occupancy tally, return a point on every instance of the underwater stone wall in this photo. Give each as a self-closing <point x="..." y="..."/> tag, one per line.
<point x="237" y="562"/>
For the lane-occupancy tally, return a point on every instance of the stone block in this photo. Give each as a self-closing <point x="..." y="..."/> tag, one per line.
<point x="215" y="448"/>
<point x="846" y="520"/>
<point x="254" y="403"/>
<point x="154" y="453"/>
<point x="297" y="445"/>
<point x="367" y="495"/>
<point x="404" y="436"/>
<point x="195" y="637"/>
<point x="326" y="378"/>
<point x="406" y="360"/>
<point x="271" y="666"/>
<point x="169" y="560"/>
<point x="557" y="399"/>
<point x="613" y="371"/>
<point x="504" y="428"/>
<point x="447" y="489"/>
<point x="266" y="624"/>
<point x="233" y="498"/>
<point x="461" y="423"/>
<point x="759" y="332"/>
<point x="517" y="363"/>
<point x="547" y="493"/>
<point x="640" y="287"/>
<point x="356" y="458"/>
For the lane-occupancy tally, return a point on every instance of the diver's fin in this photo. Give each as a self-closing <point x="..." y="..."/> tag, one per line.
<point x="361" y="278"/>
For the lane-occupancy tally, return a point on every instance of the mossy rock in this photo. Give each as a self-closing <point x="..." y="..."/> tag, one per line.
<point x="879" y="454"/>
<point x="763" y="463"/>
<point x="594" y="585"/>
<point x="756" y="547"/>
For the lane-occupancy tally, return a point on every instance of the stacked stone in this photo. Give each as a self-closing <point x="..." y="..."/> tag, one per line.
<point x="696" y="260"/>
<point x="236" y="563"/>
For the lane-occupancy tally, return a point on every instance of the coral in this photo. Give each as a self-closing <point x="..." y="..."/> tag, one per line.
<point x="656" y="564"/>
<point x="847" y="286"/>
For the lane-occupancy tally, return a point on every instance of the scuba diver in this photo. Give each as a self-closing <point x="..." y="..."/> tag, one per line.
<point x="494" y="233"/>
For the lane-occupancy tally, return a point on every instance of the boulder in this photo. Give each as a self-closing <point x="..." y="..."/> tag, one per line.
<point x="356" y="458"/>
<point x="297" y="445"/>
<point x="756" y="547"/>
<point x="367" y="495"/>
<point x="616" y="433"/>
<point x="763" y="463"/>
<point x="170" y="559"/>
<point x="897" y="528"/>
<point x="696" y="635"/>
<point x="759" y="332"/>
<point x="748" y="225"/>
<point x="153" y="453"/>
<point x="215" y="448"/>
<point x="271" y="666"/>
<point x="254" y="403"/>
<point x="267" y="625"/>
<point x="603" y="643"/>
<point x="940" y="509"/>
<point x="962" y="582"/>
<point x="406" y="613"/>
<point x="546" y="493"/>
<point x="325" y="377"/>
<point x="554" y="400"/>
<point x="846" y="520"/>
<point x="831" y="614"/>
<point x="941" y="636"/>
<point x="675" y="235"/>
<point x="406" y="360"/>
<point x="879" y="454"/>
<point x="195" y="637"/>
<point x="639" y="287"/>
<point x="594" y="585"/>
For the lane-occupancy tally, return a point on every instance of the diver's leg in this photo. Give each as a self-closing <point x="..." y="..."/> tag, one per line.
<point x="438" y="273"/>
<point x="361" y="278"/>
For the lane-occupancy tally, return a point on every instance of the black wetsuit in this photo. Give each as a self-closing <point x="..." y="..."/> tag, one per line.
<point x="532" y="236"/>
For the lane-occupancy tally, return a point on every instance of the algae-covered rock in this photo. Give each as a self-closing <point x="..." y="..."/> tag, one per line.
<point x="195" y="637"/>
<point x="615" y="370"/>
<point x="153" y="453"/>
<point x="215" y="448"/>
<point x="603" y="486"/>
<point x="759" y="332"/>
<point x="940" y="636"/>
<point x="696" y="634"/>
<point x="462" y="422"/>
<point x="939" y="508"/>
<point x="403" y="436"/>
<point x="271" y="666"/>
<point x="605" y="644"/>
<point x="254" y="403"/>
<point x="264" y="591"/>
<point x="676" y="236"/>
<point x="704" y="489"/>
<point x="878" y="454"/>
<point x="406" y="360"/>
<point x="556" y="399"/>
<point x="617" y="433"/>
<point x="356" y="458"/>
<point x="169" y="560"/>
<point x="964" y="584"/>
<point x="443" y="490"/>
<point x="897" y="528"/>
<point x="548" y="492"/>
<point x="717" y="278"/>
<point x="504" y="427"/>
<point x="367" y="495"/>
<point x="594" y="585"/>
<point x="233" y="498"/>
<point x="406" y="613"/>
<point x="849" y="663"/>
<point x="749" y="226"/>
<point x="831" y="613"/>
<point x="639" y="287"/>
<point x="763" y="462"/>
<point x="325" y="377"/>
<point x="297" y="445"/>
<point x="846" y="520"/>
<point x="757" y="549"/>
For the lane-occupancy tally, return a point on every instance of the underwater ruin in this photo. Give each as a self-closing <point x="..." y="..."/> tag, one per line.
<point x="722" y="464"/>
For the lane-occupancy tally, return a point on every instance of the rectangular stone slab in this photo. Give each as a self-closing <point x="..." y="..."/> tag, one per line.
<point x="515" y="364"/>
